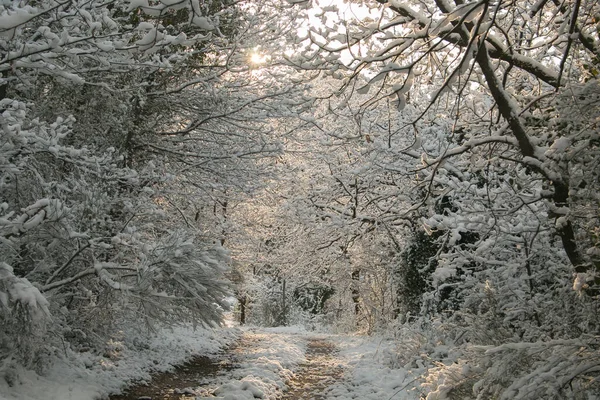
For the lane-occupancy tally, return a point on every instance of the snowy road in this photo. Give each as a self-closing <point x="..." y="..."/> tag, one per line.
<point x="287" y="364"/>
<point x="269" y="364"/>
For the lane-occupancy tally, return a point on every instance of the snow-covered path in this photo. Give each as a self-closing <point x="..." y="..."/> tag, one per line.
<point x="231" y="364"/>
<point x="321" y="369"/>
<point x="287" y="364"/>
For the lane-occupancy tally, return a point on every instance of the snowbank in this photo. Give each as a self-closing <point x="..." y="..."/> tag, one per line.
<point x="84" y="376"/>
<point x="373" y="371"/>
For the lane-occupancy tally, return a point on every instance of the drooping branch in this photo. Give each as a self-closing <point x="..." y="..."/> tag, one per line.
<point x="496" y="49"/>
<point x="66" y="265"/>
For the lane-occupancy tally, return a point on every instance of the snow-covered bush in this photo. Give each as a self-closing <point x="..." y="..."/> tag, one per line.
<point x="269" y="304"/>
<point x="24" y="317"/>
<point x="554" y="369"/>
<point x="31" y="220"/>
<point x="87" y="247"/>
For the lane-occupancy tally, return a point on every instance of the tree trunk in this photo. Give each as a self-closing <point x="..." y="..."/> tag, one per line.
<point x="242" y="300"/>
<point x="283" y="305"/>
<point x="355" y="291"/>
<point x="3" y="88"/>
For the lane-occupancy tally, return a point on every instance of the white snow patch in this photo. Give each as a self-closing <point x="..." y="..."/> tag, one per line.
<point x="85" y="376"/>
<point x="372" y="371"/>
<point x="267" y="363"/>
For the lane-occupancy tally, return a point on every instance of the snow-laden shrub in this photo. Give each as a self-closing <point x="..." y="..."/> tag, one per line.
<point x="87" y="247"/>
<point x="557" y="369"/>
<point x="297" y="316"/>
<point x="275" y="303"/>
<point x="508" y="346"/>
<point x="24" y="317"/>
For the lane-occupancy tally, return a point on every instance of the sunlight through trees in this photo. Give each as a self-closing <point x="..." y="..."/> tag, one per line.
<point x="374" y="166"/>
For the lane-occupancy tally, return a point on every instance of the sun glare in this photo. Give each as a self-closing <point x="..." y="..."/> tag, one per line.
<point x="258" y="59"/>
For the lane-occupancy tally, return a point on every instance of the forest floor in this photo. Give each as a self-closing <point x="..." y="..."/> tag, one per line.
<point x="231" y="364"/>
<point x="285" y="364"/>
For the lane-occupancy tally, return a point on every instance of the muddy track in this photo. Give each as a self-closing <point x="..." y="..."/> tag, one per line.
<point x="320" y="370"/>
<point x="184" y="382"/>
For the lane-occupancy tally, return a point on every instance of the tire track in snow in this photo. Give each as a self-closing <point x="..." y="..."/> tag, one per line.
<point x="320" y="370"/>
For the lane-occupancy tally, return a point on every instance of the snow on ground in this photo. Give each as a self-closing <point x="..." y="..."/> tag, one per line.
<point x="373" y="367"/>
<point x="374" y="370"/>
<point x="83" y="376"/>
<point x="267" y="359"/>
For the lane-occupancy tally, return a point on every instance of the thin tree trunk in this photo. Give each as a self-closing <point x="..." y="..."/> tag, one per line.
<point x="283" y="305"/>
<point x="355" y="291"/>
<point x="3" y="88"/>
<point x="242" y="300"/>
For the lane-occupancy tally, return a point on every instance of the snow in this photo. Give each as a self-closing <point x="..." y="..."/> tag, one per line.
<point x="105" y="45"/>
<point x="373" y="370"/>
<point x="84" y="376"/>
<point x="133" y="4"/>
<point x="203" y="23"/>
<point x="21" y="290"/>
<point x="151" y="37"/>
<point x="12" y="19"/>
<point x="561" y="144"/>
<point x="266" y="360"/>
<point x="266" y="366"/>
<point x="142" y="26"/>
<point x="275" y="355"/>
<point x="441" y="274"/>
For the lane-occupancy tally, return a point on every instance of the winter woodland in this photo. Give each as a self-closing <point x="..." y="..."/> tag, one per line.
<point x="425" y="170"/>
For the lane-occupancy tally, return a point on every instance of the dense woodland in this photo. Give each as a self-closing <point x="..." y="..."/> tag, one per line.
<point x="428" y="169"/>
